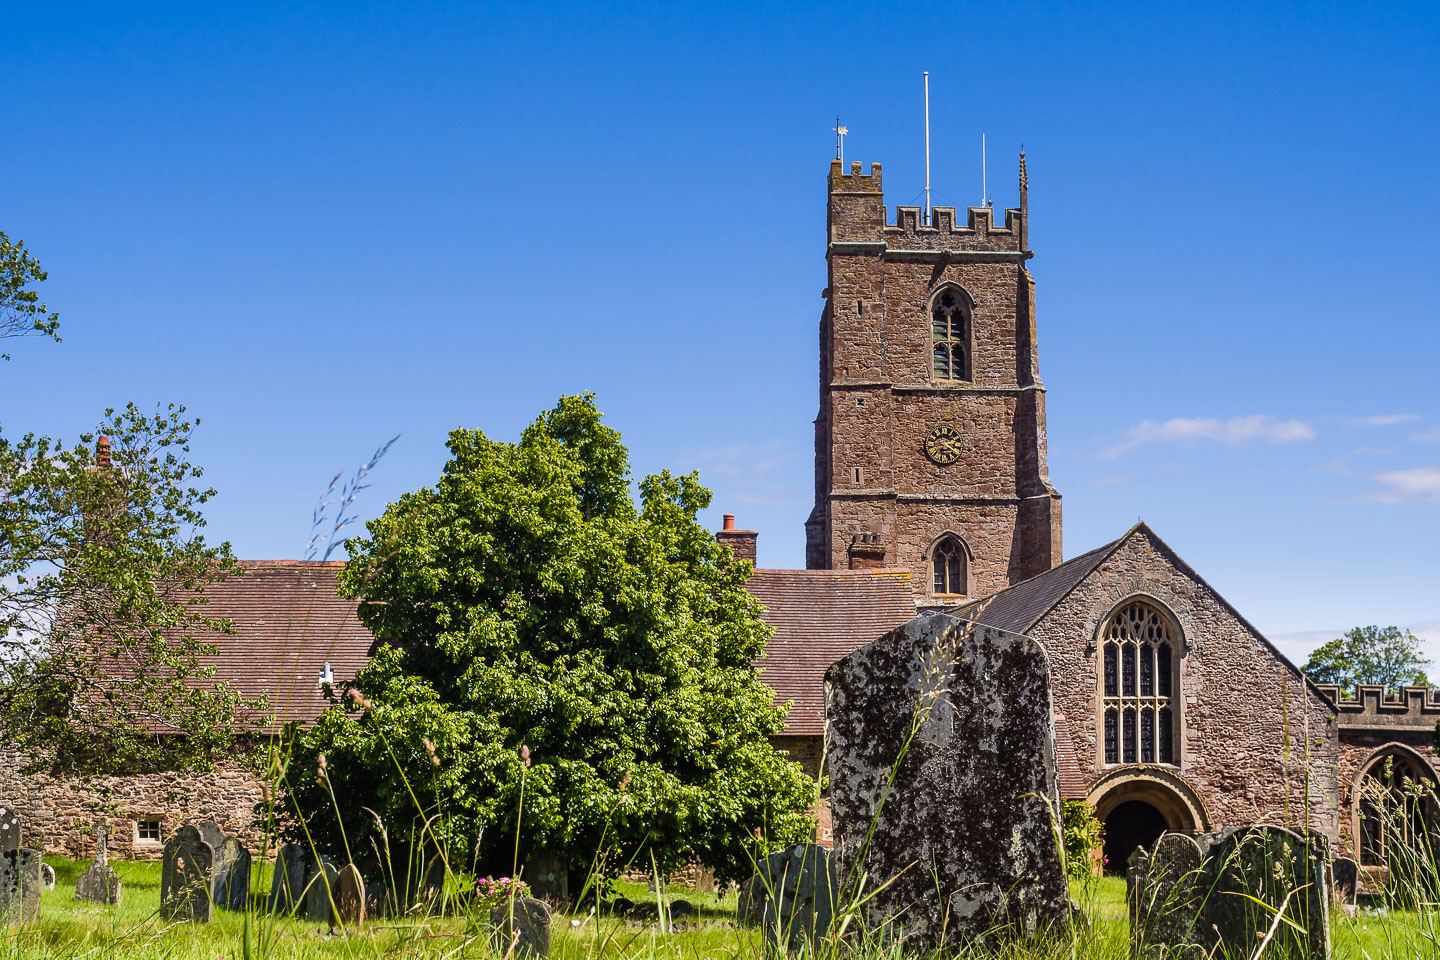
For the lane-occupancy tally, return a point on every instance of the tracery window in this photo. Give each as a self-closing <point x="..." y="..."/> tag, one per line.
<point x="950" y="336"/>
<point x="1137" y="677"/>
<point x="1398" y="811"/>
<point x="947" y="563"/>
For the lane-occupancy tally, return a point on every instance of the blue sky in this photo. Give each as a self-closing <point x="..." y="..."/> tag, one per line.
<point x="319" y="226"/>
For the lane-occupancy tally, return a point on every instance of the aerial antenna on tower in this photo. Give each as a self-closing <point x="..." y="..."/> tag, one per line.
<point x="840" y="140"/>
<point x="927" y="146"/>
<point x="984" y="184"/>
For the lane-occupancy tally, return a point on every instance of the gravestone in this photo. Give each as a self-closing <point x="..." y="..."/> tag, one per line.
<point x="548" y="873"/>
<point x="230" y="880"/>
<point x="350" y="896"/>
<point x="521" y="928"/>
<point x="750" y="905"/>
<point x="47" y="876"/>
<point x="185" y="877"/>
<point x="967" y="830"/>
<point x="287" y="885"/>
<point x="9" y="830"/>
<point x="20" y="885"/>
<point x="211" y="833"/>
<point x="1347" y="880"/>
<point x="801" y="882"/>
<point x="1244" y="877"/>
<point x="1164" y="892"/>
<point x="321" y="882"/>
<point x="99" y="883"/>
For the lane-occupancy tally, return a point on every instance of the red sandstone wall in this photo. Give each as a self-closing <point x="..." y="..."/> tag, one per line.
<point x="1239" y="699"/>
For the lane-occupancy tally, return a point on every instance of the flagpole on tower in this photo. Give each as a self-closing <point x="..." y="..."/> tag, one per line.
<point x="927" y="146"/>
<point x="840" y="140"/>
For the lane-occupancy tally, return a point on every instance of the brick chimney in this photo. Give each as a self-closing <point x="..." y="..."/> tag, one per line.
<point x="867" y="552"/>
<point x="740" y="542"/>
<point x="102" y="451"/>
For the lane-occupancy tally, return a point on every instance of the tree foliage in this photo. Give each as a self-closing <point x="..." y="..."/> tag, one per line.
<point x="102" y="627"/>
<point x="544" y="630"/>
<point x="21" y="312"/>
<point x="1387" y="656"/>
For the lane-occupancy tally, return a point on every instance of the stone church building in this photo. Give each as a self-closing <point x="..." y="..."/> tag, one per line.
<point x="1171" y="711"/>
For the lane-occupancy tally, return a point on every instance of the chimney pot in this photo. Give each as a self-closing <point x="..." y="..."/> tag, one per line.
<point x="102" y="451"/>
<point x="729" y="523"/>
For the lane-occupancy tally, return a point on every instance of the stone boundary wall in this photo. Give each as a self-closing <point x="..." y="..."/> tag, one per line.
<point x="59" y="815"/>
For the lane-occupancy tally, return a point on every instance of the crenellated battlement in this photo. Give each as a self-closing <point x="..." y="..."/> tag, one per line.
<point x="854" y="181"/>
<point x="979" y="223"/>
<point x="1374" y="706"/>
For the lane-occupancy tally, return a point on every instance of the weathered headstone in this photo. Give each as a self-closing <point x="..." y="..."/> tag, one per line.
<point x="350" y="896"/>
<point x="750" y="905"/>
<point x="967" y="830"/>
<point x="802" y="888"/>
<point x="20" y="885"/>
<point x="1243" y="879"/>
<point x="185" y="877"/>
<point x="99" y="883"/>
<point x="230" y="880"/>
<point x="47" y="876"/>
<point x="9" y="830"/>
<point x="321" y="882"/>
<point x="548" y="874"/>
<point x="287" y="884"/>
<point x="1164" y="893"/>
<point x="211" y="833"/>
<point x="1347" y="880"/>
<point x="521" y="928"/>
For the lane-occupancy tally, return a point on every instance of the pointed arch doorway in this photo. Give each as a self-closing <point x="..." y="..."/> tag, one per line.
<point x="1138" y="804"/>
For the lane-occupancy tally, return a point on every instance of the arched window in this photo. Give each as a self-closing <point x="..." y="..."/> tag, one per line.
<point x="950" y="335"/>
<point x="949" y="567"/>
<point x="1136" y="680"/>
<point x="1397" y="810"/>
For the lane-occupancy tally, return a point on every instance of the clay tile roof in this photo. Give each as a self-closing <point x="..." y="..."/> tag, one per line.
<point x="1072" y="778"/>
<point x="818" y="617"/>
<point x="288" y="623"/>
<point x="1017" y="608"/>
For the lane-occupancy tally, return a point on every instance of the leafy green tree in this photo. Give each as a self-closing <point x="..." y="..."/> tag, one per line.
<point x="1387" y="656"/>
<point x="21" y="312"/>
<point x="102" y="571"/>
<point x="566" y="673"/>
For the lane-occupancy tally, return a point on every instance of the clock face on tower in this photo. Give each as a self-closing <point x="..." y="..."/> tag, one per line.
<point x="943" y="445"/>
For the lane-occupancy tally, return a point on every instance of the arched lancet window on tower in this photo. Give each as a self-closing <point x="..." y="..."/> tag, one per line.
<point x="950" y="335"/>
<point x="1137" y="678"/>
<point x="949" y="567"/>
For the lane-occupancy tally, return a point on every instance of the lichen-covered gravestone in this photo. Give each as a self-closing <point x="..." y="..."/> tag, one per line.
<point x="1245" y="877"/>
<point x="968" y="830"/>
<point x="99" y="883"/>
<point x="1164" y="893"/>
<point x="20" y="885"/>
<point x="350" y="896"/>
<point x="521" y="928"/>
<point x="230" y="880"/>
<point x="1347" y="880"/>
<point x="185" y="877"/>
<point x="288" y="883"/>
<point x="801" y="888"/>
<point x="750" y="905"/>
<point x="9" y="830"/>
<point x="321" y="882"/>
<point x="47" y="876"/>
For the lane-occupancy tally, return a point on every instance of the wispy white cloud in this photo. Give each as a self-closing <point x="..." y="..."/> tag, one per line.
<point x="1385" y="419"/>
<point x="1110" y="479"/>
<point x="1404" y="486"/>
<point x="1257" y="428"/>
<point x="745" y="471"/>
<point x="1432" y="435"/>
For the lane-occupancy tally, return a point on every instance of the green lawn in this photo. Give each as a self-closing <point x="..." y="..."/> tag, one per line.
<point x="133" y="931"/>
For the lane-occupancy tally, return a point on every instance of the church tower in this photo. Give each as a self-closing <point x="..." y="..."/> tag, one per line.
<point x="930" y="441"/>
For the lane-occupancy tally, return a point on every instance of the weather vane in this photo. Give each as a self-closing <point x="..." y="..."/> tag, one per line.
<point x="840" y="140"/>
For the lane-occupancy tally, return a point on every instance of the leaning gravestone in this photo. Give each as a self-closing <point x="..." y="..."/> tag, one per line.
<point x="967" y="830"/>
<point x="321" y="882"/>
<point x="1245" y="877"/>
<point x="1347" y="880"/>
<point x="350" y="896"/>
<point x="801" y="885"/>
<point x="1164" y="893"/>
<point x="230" y="880"/>
<point x="185" y="877"/>
<point x="288" y="883"/>
<point x="521" y="928"/>
<point x="99" y="883"/>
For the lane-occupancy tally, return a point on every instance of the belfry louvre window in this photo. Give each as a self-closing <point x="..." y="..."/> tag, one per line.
<point x="1137" y="679"/>
<point x="948" y="564"/>
<point x="950" y="334"/>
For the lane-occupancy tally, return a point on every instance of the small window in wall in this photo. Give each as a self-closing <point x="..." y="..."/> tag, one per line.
<point x="948" y="567"/>
<point x="147" y="830"/>
<point x="950" y="336"/>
